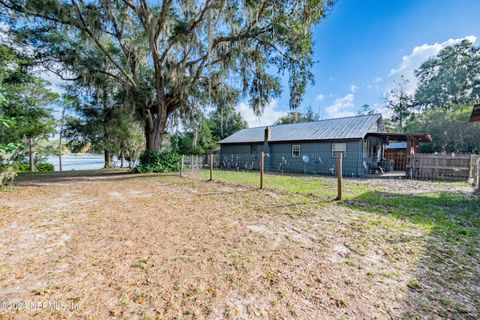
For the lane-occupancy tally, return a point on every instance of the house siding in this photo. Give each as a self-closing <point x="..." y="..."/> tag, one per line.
<point x="280" y="158"/>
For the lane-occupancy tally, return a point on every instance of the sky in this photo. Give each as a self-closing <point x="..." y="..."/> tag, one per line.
<point x="361" y="47"/>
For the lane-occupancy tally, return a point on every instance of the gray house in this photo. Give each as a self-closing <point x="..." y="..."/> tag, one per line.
<point x="312" y="147"/>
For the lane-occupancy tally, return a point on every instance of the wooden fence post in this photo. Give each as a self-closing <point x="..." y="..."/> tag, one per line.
<point x="339" y="176"/>
<point x="211" y="167"/>
<point x="262" y="159"/>
<point x="181" y="166"/>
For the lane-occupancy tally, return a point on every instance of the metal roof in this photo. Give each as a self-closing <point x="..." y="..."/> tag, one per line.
<point x="355" y="127"/>
<point x="420" y="137"/>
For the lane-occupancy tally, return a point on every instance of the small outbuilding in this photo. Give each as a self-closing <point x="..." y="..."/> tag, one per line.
<point x="312" y="147"/>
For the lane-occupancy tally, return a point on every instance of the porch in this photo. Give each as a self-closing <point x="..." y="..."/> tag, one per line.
<point x="379" y="161"/>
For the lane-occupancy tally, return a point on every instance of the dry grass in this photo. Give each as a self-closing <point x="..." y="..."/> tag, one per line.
<point x="162" y="247"/>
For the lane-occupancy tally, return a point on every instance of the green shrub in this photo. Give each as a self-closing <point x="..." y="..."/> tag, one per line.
<point x="43" y="167"/>
<point x="7" y="174"/>
<point x="21" y="167"/>
<point x="25" y="167"/>
<point x="158" y="161"/>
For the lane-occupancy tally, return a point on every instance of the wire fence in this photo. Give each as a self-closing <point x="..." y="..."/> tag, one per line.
<point x="226" y="167"/>
<point x="314" y="163"/>
<point x="353" y="164"/>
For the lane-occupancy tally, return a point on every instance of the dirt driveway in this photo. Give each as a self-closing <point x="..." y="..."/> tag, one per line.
<point x="159" y="247"/>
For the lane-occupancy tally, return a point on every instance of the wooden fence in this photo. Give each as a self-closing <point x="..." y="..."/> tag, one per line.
<point x="443" y="167"/>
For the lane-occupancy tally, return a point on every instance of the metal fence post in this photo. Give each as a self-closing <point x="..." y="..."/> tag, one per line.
<point x="471" y="172"/>
<point x="211" y="167"/>
<point x="181" y="166"/>
<point x="339" y="176"/>
<point x="262" y="159"/>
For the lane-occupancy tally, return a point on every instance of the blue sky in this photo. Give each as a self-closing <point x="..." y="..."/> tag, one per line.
<point x="362" y="46"/>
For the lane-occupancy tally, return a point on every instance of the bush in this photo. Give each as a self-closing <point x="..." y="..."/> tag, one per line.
<point x="43" y="167"/>
<point x="25" y="167"/>
<point x="158" y="161"/>
<point x="7" y="174"/>
<point x="21" y="167"/>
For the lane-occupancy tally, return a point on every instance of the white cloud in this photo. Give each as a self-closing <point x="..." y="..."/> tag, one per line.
<point x="418" y="55"/>
<point x="320" y="97"/>
<point x="342" y="107"/>
<point x="375" y="84"/>
<point x="353" y="88"/>
<point x="269" y="116"/>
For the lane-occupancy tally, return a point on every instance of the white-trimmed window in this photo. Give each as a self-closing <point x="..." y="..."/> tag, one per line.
<point x="296" y="150"/>
<point x="339" y="148"/>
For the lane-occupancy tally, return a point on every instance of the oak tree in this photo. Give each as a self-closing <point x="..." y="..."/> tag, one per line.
<point x="174" y="55"/>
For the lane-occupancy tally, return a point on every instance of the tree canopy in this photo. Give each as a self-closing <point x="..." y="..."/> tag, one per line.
<point x="175" y="56"/>
<point x="296" y="116"/>
<point x="450" y="78"/>
<point x="448" y="85"/>
<point x="450" y="130"/>
<point x="26" y="101"/>
<point x="400" y="103"/>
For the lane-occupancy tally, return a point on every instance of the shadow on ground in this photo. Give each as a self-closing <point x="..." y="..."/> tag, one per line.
<point x="65" y="177"/>
<point x="445" y="281"/>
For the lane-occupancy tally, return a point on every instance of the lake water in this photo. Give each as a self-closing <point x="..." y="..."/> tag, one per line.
<point x="73" y="162"/>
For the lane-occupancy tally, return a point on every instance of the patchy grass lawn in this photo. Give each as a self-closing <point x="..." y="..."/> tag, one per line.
<point x="324" y="187"/>
<point x="124" y="246"/>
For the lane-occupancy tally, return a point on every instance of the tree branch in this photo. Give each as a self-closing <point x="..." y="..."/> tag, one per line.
<point x="24" y="10"/>
<point x="161" y="20"/>
<point x="100" y="46"/>
<point x="192" y="27"/>
<point x="233" y="38"/>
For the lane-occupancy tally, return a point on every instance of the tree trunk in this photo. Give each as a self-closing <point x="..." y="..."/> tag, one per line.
<point x="122" y="158"/>
<point x="60" y="140"/>
<point x="154" y="133"/>
<point x="108" y="159"/>
<point x="156" y="126"/>
<point x="60" y="157"/>
<point x="107" y="129"/>
<point x="31" y="155"/>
